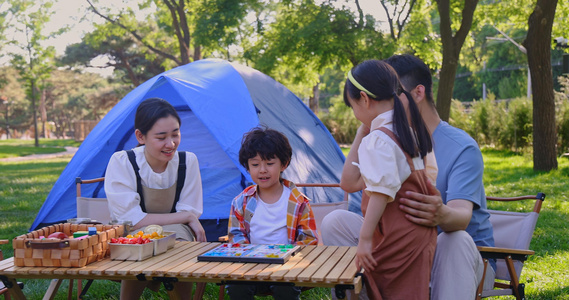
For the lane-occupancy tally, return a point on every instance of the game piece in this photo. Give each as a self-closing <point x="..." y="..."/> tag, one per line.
<point x="271" y="254"/>
<point x="92" y="230"/>
<point x="80" y="233"/>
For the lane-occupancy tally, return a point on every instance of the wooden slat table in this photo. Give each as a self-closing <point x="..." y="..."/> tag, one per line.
<point x="313" y="266"/>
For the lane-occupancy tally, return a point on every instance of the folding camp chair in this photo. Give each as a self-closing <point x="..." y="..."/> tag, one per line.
<point x="93" y="208"/>
<point x="3" y="288"/>
<point x="513" y="232"/>
<point x="320" y="210"/>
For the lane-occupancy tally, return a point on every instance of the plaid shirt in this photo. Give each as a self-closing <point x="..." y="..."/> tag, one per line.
<point x="300" y="222"/>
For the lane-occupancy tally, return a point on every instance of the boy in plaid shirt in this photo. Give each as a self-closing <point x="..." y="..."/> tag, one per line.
<point x="272" y="211"/>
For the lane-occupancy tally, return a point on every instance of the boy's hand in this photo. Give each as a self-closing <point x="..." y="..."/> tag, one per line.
<point x="364" y="257"/>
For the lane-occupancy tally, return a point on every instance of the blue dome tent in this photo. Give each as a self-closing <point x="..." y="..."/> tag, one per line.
<point x="218" y="102"/>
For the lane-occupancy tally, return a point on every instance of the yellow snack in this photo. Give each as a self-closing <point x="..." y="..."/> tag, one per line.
<point x="153" y="228"/>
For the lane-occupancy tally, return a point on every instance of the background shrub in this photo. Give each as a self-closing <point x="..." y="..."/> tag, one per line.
<point x="501" y="124"/>
<point x="562" y="115"/>
<point x="518" y="124"/>
<point x="340" y="121"/>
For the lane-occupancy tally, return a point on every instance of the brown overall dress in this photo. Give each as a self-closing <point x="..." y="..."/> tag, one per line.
<point x="403" y="250"/>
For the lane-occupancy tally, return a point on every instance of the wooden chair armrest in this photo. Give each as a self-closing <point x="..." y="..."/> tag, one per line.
<point x="2" y="242"/>
<point x="502" y="253"/>
<point x="505" y="250"/>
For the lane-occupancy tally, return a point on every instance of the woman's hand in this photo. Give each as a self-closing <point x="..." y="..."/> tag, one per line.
<point x="197" y="228"/>
<point x="364" y="257"/>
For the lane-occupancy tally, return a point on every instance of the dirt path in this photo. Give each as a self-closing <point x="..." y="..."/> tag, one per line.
<point x="69" y="151"/>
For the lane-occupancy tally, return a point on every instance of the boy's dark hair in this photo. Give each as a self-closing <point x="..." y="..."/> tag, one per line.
<point x="267" y="143"/>
<point x="412" y="72"/>
<point x="150" y="110"/>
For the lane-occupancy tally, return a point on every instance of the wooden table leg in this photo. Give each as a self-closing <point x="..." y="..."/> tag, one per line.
<point x="52" y="290"/>
<point x="221" y="294"/>
<point x="200" y="290"/>
<point x="79" y="288"/>
<point x="358" y="285"/>
<point x="70" y="290"/>
<point x="173" y="294"/>
<point x="13" y="288"/>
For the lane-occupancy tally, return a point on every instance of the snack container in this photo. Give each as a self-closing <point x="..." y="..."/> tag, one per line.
<point x="136" y="252"/>
<point x="167" y="242"/>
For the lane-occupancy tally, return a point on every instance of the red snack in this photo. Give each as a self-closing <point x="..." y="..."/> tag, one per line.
<point x="58" y="235"/>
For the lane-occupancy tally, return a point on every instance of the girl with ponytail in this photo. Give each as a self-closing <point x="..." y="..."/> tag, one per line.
<point x="387" y="159"/>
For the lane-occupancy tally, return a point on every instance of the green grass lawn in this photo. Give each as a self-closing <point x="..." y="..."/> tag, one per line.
<point x="15" y="148"/>
<point x="24" y="185"/>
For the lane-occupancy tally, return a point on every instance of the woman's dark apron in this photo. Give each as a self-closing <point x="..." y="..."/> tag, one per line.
<point x="163" y="201"/>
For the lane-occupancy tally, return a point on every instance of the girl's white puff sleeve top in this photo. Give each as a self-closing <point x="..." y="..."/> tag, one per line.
<point x="382" y="162"/>
<point x="120" y="184"/>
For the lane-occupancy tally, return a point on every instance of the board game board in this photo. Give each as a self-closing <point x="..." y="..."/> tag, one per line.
<point x="271" y="254"/>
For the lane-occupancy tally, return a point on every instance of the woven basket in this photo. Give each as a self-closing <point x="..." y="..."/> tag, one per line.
<point x="31" y="251"/>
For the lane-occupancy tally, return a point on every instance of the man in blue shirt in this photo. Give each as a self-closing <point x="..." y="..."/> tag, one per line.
<point x="458" y="210"/>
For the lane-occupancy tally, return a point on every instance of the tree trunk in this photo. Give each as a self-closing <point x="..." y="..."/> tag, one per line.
<point x="314" y="99"/>
<point x="197" y="52"/>
<point x="7" y="125"/>
<point x="129" y="71"/>
<point x="43" y="115"/>
<point x="446" y="84"/>
<point x="34" y="113"/>
<point x="538" y="45"/>
<point x="451" y="51"/>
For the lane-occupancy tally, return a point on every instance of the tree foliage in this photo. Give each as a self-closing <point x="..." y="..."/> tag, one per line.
<point x="4" y="14"/>
<point x="130" y="63"/>
<point x="73" y="96"/>
<point x="180" y="31"/>
<point x="419" y="36"/>
<point x="13" y="102"/>
<point x="307" y="45"/>
<point x="34" y="62"/>
<point x="397" y="14"/>
<point x="306" y="38"/>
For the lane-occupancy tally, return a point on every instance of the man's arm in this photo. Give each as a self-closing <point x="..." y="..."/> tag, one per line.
<point x="429" y="210"/>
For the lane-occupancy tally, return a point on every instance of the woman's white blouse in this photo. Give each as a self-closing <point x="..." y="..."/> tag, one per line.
<point x="382" y="162"/>
<point x="120" y="184"/>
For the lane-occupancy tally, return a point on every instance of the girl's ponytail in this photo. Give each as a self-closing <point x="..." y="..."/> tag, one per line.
<point x="401" y="127"/>
<point x="423" y="138"/>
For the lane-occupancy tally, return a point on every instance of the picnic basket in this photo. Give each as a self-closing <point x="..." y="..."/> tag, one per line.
<point x="31" y="251"/>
